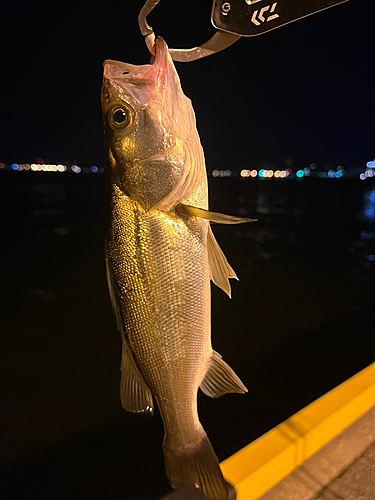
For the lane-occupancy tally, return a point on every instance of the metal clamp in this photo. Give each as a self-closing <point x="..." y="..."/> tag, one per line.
<point x="219" y="41"/>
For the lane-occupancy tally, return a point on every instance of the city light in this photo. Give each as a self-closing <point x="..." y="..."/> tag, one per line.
<point x="248" y="173"/>
<point x="300" y="174"/>
<point x="40" y="166"/>
<point x="220" y="173"/>
<point x="263" y="173"/>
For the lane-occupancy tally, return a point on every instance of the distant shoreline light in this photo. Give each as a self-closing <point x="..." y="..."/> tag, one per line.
<point x="300" y="174"/>
<point x="243" y="173"/>
<point x="253" y="173"/>
<point x="48" y="167"/>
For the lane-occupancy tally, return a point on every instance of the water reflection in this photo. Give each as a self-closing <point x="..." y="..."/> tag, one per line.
<point x="363" y="248"/>
<point x="367" y="214"/>
<point x="278" y="219"/>
<point x="325" y="227"/>
<point x="307" y="264"/>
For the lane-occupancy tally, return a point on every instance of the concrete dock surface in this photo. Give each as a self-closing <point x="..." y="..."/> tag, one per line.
<point x="344" y="469"/>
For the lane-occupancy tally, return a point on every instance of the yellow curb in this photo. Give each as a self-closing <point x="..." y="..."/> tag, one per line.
<point x="255" y="469"/>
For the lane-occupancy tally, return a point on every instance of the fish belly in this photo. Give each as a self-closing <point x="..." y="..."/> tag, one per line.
<point x="160" y="268"/>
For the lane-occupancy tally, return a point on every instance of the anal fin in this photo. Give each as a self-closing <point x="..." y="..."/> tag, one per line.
<point x="135" y="395"/>
<point x="220" y="268"/>
<point x="220" y="378"/>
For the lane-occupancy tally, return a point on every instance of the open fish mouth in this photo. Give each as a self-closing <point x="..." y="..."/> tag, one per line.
<point x="115" y="70"/>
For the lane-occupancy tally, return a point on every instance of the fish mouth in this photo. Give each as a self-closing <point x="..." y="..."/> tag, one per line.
<point x="123" y="73"/>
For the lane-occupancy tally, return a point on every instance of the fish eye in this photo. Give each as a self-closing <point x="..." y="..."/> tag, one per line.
<point x="120" y="116"/>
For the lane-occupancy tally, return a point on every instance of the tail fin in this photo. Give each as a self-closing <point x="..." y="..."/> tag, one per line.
<point x="196" y="465"/>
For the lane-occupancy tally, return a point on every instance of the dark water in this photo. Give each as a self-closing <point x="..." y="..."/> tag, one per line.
<point x="301" y="321"/>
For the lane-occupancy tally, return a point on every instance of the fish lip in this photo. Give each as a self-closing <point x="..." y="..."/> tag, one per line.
<point x="118" y="64"/>
<point x="115" y="71"/>
<point x="156" y="157"/>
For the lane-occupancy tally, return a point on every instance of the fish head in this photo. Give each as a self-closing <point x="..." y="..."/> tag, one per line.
<point x="152" y="145"/>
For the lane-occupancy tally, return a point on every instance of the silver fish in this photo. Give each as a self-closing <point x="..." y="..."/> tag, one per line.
<point x="160" y="256"/>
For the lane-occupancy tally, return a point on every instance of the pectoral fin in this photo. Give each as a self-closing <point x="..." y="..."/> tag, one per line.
<point x="220" y="378"/>
<point x="135" y="395"/>
<point x="212" y="216"/>
<point x="220" y="269"/>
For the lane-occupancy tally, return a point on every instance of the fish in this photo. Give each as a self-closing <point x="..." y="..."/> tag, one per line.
<point x="161" y="255"/>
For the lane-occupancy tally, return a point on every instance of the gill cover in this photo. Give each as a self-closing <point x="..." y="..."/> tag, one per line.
<point x="151" y="138"/>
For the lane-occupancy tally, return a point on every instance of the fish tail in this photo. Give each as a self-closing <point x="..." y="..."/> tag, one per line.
<point x="197" y="465"/>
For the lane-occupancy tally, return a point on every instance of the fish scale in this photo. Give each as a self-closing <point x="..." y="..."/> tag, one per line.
<point x="155" y="309"/>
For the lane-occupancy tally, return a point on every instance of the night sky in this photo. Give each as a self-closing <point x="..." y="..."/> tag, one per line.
<point x="305" y="90"/>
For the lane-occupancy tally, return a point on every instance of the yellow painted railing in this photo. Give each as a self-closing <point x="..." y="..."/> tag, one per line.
<point x="263" y="463"/>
